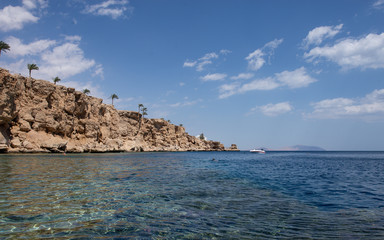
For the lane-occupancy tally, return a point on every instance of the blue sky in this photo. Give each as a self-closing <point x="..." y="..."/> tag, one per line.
<point x="256" y="73"/>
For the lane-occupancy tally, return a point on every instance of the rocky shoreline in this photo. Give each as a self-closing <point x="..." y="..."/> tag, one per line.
<point x="37" y="116"/>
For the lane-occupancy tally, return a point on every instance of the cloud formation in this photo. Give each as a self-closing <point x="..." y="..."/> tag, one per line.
<point x="14" y="18"/>
<point x="243" y="76"/>
<point x="366" y="52"/>
<point x="33" y="48"/>
<point x="369" y="107"/>
<point x="205" y="60"/>
<point x="185" y="103"/>
<point x="214" y="77"/>
<point x="63" y="59"/>
<point x="378" y="4"/>
<point x="110" y="8"/>
<point x="273" y="110"/>
<point x="319" y="34"/>
<point x="291" y="79"/>
<point x="256" y="59"/>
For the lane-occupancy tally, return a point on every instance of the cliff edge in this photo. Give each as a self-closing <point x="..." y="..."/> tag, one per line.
<point x="39" y="116"/>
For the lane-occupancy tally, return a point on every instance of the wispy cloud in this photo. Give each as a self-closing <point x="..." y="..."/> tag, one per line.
<point x="99" y="71"/>
<point x="370" y="107"/>
<point x="189" y="63"/>
<point x="256" y="59"/>
<point x="273" y="110"/>
<point x="378" y="4"/>
<point x="225" y="51"/>
<point x="319" y="34"/>
<point x="205" y="60"/>
<point x="292" y="79"/>
<point x="243" y="76"/>
<point x="111" y="8"/>
<point x="366" y="52"/>
<point x="185" y="103"/>
<point x="214" y="77"/>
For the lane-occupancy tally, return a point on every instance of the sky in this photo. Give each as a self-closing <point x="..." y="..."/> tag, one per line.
<point x="266" y="73"/>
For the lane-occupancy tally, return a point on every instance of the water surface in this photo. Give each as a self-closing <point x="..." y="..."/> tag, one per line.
<point x="280" y="195"/>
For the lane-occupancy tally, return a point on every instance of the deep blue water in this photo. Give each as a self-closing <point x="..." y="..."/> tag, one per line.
<point x="278" y="195"/>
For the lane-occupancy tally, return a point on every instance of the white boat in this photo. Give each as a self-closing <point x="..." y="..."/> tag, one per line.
<point x="257" y="151"/>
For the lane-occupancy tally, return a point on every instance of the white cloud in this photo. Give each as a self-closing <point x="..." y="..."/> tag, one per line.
<point x="74" y="38"/>
<point x="214" y="77"/>
<point x="227" y="90"/>
<point x="200" y="65"/>
<point x="263" y="84"/>
<point x="366" y="52"/>
<point x="189" y="63"/>
<point x="110" y="8"/>
<point x="204" y="60"/>
<point x="293" y="79"/>
<point x="63" y="59"/>
<point x="20" y="49"/>
<point x="209" y="56"/>
<point x="273" y="44"/>
<point x="29" y="4"/>
<point x="14" y="18"/>
<point x="378" y="4"/>
<point x="319" y="34"/>
<point x="186" y="103"/>
<point x="99" y="71"/>
<point x="243" y="76"/>
<point x="225" y="51"/>
<point x="256" y="58"/>
<point x="369" y="107"/>
<point x="273" y="110"/>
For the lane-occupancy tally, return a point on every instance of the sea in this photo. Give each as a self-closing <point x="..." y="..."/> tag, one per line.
<point x="192" y="195"/>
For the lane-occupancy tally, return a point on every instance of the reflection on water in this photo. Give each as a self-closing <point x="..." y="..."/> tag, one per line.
<point x="161" y="195"/>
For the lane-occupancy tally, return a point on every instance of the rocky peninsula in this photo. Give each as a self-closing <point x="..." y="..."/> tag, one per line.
<point x="39" y="116"/>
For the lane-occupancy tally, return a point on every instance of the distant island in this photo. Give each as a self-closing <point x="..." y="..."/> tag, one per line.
<point x="302" y="148"/>
<point x="41" y="116"/>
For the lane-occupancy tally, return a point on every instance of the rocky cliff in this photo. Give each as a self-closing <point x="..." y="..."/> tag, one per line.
<point x="38" y="116"/>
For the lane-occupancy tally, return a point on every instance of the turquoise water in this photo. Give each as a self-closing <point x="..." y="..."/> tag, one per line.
<point x="278" y="195"/>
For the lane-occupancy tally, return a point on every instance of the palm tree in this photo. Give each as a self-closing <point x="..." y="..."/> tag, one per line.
<point x="140" y="106"/>
<point x="202" y="137"/>
<point x="144" y="111"/>
<point x="86" y="91"/>
<point x="56" y="80"/>
<point x="4" y="47"/>
<point x="114" y="96"/>
<point x="32" y="67"/>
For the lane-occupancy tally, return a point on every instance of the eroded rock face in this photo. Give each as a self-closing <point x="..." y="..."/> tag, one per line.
<point x="38" y="116"/>
<point x="233" y="147"/>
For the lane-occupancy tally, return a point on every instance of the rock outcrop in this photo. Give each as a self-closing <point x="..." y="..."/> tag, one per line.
<point x="38" y="116"/>
<point x="233" y="147"/>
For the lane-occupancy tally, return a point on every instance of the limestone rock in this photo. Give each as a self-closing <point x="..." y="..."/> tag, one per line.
<point x="233" y="147"/>
<point x="39" y="116"/>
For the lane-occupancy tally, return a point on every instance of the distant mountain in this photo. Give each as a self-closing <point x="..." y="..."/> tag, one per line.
<point x="303" y="148"/>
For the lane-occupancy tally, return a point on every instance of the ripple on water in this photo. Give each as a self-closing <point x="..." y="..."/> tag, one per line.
<point x="181" y="195"/>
